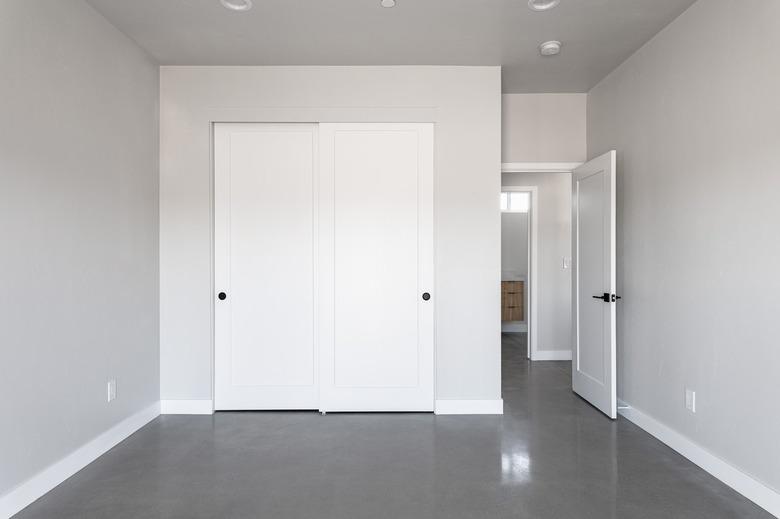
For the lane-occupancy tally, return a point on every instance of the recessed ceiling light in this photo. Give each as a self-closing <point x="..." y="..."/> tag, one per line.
<point x="550" y="48"/>
<point x="387" y="3"/>
<point x="237" y="5"/>
<point x="542" y="5"/>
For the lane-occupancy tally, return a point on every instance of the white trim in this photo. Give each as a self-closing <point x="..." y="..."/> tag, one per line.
<point x="38" y="485"/>
<point x="552" y="355"/>
<point x="539" y="167"/>
<point x="758" y="492"/>
<point x="186" y="407"/>
<point x="514" y="327"/>
<point x="533" y="257"/>
<point x="469" y="406"/>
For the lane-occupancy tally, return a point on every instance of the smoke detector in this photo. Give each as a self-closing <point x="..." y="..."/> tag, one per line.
<point x="543" y="5"/>
<point x="237" y="5"/>
<point x="550" y="48"/>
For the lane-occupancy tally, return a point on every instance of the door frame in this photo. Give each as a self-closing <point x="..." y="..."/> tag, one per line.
<point x="533" y="231"/>
<point x="533" y="247"/>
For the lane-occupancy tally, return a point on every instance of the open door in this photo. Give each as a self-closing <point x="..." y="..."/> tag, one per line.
<point x="594" y="293"/>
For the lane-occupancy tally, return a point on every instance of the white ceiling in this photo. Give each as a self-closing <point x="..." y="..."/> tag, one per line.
<point x="597" y="35"/>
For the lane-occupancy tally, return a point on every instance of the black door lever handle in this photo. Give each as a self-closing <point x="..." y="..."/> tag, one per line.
<point x="608" y="298"/>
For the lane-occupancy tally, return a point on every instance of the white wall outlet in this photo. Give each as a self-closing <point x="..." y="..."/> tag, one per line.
<point x="111" y="390"/>
<point x="566" y="263"/>
<point x="690" y="400"/>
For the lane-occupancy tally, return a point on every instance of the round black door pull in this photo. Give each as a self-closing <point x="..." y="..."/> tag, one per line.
<point x="222" y="296"/>
<point x="426" y="296"/>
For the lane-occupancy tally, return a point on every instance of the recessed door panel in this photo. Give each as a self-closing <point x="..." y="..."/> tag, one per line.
<point x="376" y="259"/>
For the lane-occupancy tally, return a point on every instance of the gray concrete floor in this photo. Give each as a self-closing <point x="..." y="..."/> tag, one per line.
<point x="551" y="455"/>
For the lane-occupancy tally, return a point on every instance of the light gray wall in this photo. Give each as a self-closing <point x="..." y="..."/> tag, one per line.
<point x="543" y="127"/>
<point x="695" y="118"/>
<point x="514" y="246"/>
<point x="548" y="128"/>
<point x="554" y="242"/>
<point x="465" y="104"/>
<point x="79" y="227"/>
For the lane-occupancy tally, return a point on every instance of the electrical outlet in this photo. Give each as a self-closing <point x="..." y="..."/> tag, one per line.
<point x="111" y="390"/>
<point x="690" y="400"/>
<point x="566" y="263"/>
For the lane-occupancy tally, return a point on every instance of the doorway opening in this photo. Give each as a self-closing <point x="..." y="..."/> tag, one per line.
<point x="518" y="264"/>
<point x="576" y="220"/>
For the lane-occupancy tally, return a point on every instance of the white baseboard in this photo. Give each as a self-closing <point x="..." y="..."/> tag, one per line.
<point x="38" y="485"/>
<point x="469" y="406"/>
<point x="186" y="407"/>
<point x="514" y="327"/>
<point x="551" y="355"/>
<point x="761" y="494"/>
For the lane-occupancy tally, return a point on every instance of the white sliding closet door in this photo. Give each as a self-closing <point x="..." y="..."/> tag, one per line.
<point x="376" y="259"/>
<point x="264" y="236"/>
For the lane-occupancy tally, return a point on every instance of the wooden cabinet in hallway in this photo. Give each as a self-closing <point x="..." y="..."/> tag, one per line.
<point x="512" y="300"/>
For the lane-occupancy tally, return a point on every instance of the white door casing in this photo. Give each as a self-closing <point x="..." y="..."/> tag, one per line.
<point x="594" y="363"/>
<point x="376" y="238"/>
<point x="264" y="250"/>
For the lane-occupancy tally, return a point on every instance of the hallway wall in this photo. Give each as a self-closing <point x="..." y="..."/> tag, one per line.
<point x="79" y="227"/>
<point x="543" y="127"/>
<point x="548" y="128"/>
<point x="514" y="246"/>
<point x="695" y="118"/>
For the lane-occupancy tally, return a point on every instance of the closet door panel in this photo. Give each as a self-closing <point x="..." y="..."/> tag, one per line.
<point x="377" y="194"/>
<point x="265" y="354"/>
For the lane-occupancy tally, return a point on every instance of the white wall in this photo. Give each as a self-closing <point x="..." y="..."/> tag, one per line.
<point x="465" y="104"/>
<point x="79" y="227"/>
<point x="543" y="127"/>
<point x="695" y="118"/>
<point x="514" y="246"/>
<point x="554" y="242"/>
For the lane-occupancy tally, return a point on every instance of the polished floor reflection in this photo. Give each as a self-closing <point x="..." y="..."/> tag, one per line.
<point x="550" y="456"/>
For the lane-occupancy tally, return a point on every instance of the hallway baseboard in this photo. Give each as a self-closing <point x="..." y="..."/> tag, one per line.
<point x="514" y="327"/>
<point x="552" y="355"/>
<point x="186" y="407"/>
<point x="38" y="485"/>
<point x="469" y="406"/>
<point x="764" y="496"/>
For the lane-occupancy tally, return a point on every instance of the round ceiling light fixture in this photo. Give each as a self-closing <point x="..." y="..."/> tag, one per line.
<point x="543" y="5"/>
<point x="237" y="5"/>
<point x="550" y="48"/>
<point x="387" y="3"/>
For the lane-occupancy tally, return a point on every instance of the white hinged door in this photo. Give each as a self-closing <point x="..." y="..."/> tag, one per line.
<point x="594" y="375"/>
